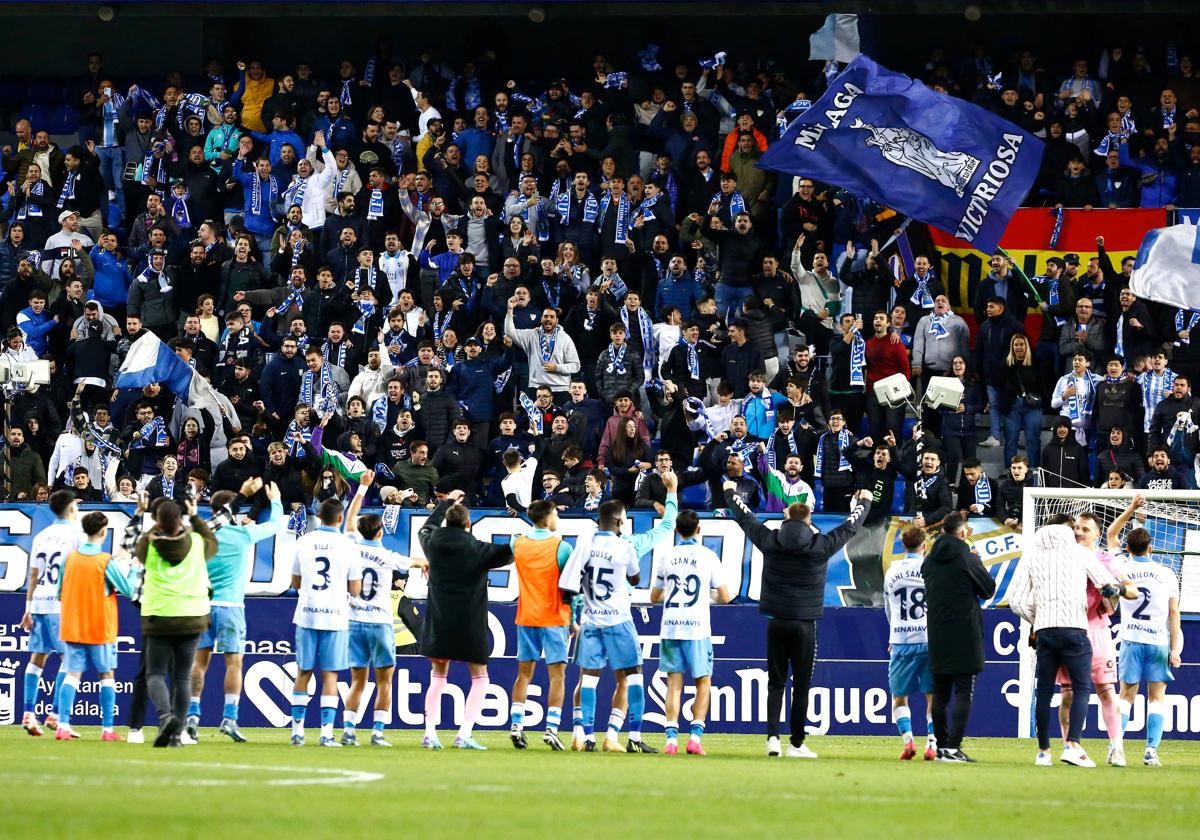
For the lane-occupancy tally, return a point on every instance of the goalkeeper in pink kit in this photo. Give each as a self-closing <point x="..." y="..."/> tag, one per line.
<point x="1104" y="655"/>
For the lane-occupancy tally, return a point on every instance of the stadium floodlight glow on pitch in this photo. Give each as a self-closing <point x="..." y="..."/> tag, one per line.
<point x="1171" y="516"/>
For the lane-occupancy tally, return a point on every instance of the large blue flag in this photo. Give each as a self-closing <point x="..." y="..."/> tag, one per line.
<point x="938" y="159"/>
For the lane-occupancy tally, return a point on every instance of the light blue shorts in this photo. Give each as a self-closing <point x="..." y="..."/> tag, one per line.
<point x="908" y="670"/>
<point x="100" y="657"/>
<point x="372" y="645"/>
<point x="617" y="647"/>
<point x="549" y="643"/>
<point x="1139" y="661"/>
<point x="693" y="657"/>
<point x="43" y="636"/>
<point x="226" y="631"/>
<point x="323" y="650"/>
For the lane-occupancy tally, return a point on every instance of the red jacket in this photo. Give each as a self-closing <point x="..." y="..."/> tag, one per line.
<point x="884" y="359"/>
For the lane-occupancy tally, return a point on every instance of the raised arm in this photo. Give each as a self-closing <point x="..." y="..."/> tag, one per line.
<point x="644" y="542"/>
<point x="1113" y="535"/>
<point x="364" y="483"/>
<point x="760" y="535"/>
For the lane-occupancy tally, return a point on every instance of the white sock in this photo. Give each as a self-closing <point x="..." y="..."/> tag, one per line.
<point x="328" y="702"/>
<point x="616" y="719"/>
<point x="383" y="716"/>
<point x="349" y="719"/>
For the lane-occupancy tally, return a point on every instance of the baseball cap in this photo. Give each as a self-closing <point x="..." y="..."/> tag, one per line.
<point x="66" y="214"/>
<point x="1071" y="259"/>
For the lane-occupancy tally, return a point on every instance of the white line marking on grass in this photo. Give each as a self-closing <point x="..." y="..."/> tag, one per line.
<point x="325" y="775"/>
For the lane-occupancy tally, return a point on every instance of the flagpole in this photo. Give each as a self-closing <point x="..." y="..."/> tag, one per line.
<point x="1020" y="273"/>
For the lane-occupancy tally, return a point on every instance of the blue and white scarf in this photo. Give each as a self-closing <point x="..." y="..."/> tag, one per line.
<point x="1193" y="317"/>
<point x="256" y="195"/>
<point x="366" y="281"/>
<point x="105" y="447"/>
<point x="375" y="205"/>
<point x="622" y="234"/>
<point x="714" y="62"/>
<point x="649" y="58"/>
<point x="298" y="521"/>
<point x="937" y="325"/>
<point x="858" y="361"/>
<point x="295" y="448"/>
<point x="843" y="462"/>
<point x="552" y="298"/>
<point x="531" y="410"/>
<point x="110" y="120"/>
<point x="920" y="295"/>
<point x="68" y="190"/>
<point x="737" y="204"/>
<point x="591" y="207"/>
<point x="1059" y="214"/>
<point x="179" y="209"/>
<point x="366" y="310"/>
<point x="647" y="330"/>
<point x="1079" y="404"/>
<point x="701" y="423"/>
<point x="1120" y="348"/>
<point x="693" y="358"/>
<point x="340" y="361"/>
<point x="402" y="339"/>
<point x="30" y="210"/>
<point x="398" y="156"/>
<point x="339" y="183"/>
<point x="155" y="427"/>
<point x="1155" y="386"/>
<point x="616" y="361"/>
<point x="152" y="165"/>
<point x="379" y="413"/>
<point x="983" y="491"/>
<point x="615" y="79"/>
<point x="307" y="382"/>
<point x="1052" y="297"/>
<point x="922" y="485"/>
<point x="294" y="197"/>
<point x="646" y="209"/>
<point x="347" y="95"/>
<point x="547" y="341"/>
<point x="440" y="321"/>
<point x="501" y="381"/>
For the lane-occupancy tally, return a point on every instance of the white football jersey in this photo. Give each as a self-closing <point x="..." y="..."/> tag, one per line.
<point x="1145" y="619"/>
<point x="376" y="563"/>
<point x="47" y="553"/>
<point x="904" y="602"/>
<point x="325" y="561"/>
<point x="686" y="575"/>
<point x="598" y="567"/>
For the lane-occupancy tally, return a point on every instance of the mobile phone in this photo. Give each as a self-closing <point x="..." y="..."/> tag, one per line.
<point x="108" y="91"/>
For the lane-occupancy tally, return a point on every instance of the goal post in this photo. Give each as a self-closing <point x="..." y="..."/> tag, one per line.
<point x="1171" y="516"/>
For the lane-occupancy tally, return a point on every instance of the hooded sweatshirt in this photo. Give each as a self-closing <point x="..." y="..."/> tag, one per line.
<point x="175" y="581"/>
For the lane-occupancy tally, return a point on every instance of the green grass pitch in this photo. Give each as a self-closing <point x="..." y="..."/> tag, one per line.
<point x="857" y="788"/>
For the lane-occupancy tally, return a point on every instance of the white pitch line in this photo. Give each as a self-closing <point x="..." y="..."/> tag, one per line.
<point x="332" y="775"/>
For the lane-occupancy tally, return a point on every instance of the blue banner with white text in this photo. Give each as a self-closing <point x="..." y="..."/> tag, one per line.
<point x="936" y="158"/>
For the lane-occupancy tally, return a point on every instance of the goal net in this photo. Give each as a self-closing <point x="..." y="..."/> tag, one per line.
<point x="1171" y="516"/>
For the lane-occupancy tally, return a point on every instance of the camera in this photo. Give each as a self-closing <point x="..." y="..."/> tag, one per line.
<point x="25" y="373"/>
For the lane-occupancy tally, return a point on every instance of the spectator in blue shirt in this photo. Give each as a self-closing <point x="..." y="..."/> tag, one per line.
<point x="282" y="134"/>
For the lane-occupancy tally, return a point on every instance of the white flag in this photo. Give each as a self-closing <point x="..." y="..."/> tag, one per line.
<point x="1167" y="269"/>
<point x="837" y="40"/>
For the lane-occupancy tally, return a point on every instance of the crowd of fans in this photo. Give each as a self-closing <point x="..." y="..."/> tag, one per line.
<point x="560" y="290"/>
